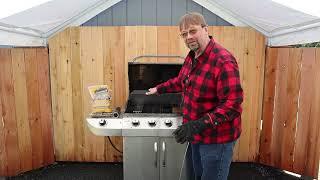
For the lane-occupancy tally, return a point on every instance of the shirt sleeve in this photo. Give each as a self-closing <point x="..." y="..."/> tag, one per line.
<point x="173" y="85"/>
<point x="229" y="93"/>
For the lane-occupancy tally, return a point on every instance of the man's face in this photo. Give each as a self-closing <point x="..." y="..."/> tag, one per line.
<point x="194" y="36"/>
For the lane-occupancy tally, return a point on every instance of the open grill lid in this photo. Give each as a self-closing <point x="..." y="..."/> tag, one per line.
<point x="145" y="76"/>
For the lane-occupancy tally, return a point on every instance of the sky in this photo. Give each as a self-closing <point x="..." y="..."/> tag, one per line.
<point x="9" y="7"/>
<point x="311" y="7"/>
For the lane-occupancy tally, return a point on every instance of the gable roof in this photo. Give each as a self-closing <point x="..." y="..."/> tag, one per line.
<point x="281" y="25"/>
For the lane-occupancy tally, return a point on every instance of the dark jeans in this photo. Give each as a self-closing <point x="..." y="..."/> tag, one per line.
<point x="211" y="161"/>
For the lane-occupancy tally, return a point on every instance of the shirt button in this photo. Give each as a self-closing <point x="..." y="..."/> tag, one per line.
<point x="216" y="123"/>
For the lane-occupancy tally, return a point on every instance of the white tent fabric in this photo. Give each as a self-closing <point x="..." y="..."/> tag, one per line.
<point x="34" y="26"/>
<point x="281" y="25"/>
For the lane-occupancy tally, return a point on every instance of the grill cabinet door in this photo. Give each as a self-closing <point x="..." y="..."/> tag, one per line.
<point x="171" y="159"/>
<point x="141" y="158"/>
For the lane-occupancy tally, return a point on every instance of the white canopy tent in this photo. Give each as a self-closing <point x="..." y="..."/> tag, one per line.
<point x="280" y="24"/>
<point x="34" y="26"/>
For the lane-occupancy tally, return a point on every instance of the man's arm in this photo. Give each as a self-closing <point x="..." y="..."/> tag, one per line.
<point x="230" y="94"/>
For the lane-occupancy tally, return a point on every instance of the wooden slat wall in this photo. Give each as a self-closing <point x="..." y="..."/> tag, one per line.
<point x="290" y="134"/>
<point x="80" y="57"/>
<point x="25" y="110"/>
<point x="85" y="56"/>
<point x="248" y="46"/>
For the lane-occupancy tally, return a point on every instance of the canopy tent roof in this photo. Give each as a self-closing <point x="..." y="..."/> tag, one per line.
<point x="280" y="24"/>
<point x="34" y="26"/>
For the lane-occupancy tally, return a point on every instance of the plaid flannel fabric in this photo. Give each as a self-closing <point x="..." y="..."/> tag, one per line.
<point x="211" y="87"/>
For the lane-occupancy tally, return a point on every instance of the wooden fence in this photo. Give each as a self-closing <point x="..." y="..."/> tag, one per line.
<point x="84" y="56"/>
<point x="25" y="110"/>
<point x="290" y="137"/>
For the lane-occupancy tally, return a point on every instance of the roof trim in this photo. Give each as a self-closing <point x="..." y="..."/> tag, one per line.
<point x="221" y="12"/>
<point x="19" y="30"/>
<point x="82" y="17"/>
<point x="302" y="36"/>
<point x="18" y="39"/>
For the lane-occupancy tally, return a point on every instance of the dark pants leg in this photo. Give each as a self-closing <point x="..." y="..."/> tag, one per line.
<point x="212" y="161"/>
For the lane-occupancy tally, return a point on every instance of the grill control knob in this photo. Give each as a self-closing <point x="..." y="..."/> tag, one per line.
<point x="152" y="122"/>
<point x="168" y="122"/>
<point x="102" y="122"/>
<point x="135" y="122"/>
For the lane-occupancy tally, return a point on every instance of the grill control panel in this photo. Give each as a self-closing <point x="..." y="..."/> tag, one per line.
<point x="129" y="125"/>
<point x="105" y="126"/>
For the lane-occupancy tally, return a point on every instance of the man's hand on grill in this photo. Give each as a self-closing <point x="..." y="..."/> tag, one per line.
<point x="186" y="131"/>
<point x="152" y="91"/>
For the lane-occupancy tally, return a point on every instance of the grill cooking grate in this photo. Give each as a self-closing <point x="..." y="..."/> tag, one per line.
<point x="150" y="108"/>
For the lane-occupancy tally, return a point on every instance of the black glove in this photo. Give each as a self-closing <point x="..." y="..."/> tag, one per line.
<point x="186" y="131"/>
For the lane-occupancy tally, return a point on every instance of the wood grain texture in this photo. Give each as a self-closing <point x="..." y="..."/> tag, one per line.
<point x="120" y="45"/>
<point x="77" y="94"/>
<point x="290" y="132"/>
<point x="21" y="108"/>
<point x="34" y="115"/>
<point x="26" y="136"/>
<point x="85" y="56"/>
<point x="45" y="105"/>
<point x="3" y="128"/>
<point x="9" y="120"/>
<point x="265" y="150"/>
<point x="291" y="100"/>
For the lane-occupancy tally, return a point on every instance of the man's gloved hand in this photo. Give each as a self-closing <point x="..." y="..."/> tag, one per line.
<point x="186" y="131"/>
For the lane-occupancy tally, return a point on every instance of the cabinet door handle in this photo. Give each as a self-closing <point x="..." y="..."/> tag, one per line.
<point x="155" y="148"/>
<point x="164" y="154"/>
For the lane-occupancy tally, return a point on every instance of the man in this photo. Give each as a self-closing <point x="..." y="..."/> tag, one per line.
<point x="212" y="96"/>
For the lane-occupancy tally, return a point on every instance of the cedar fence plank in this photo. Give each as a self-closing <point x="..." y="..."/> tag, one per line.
<point x="21" y="108"/>
<point x="9" y="122"/>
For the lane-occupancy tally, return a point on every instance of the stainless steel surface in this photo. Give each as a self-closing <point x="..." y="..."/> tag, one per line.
<point x="111" y="127"/>
<point x="140" y="125"/>
<point x="140" y="156"/>
<point x="172" y="159"/>
<point x="153" y="158"/>
<point x="149" y="150"/>
<point x="160" y="125"/>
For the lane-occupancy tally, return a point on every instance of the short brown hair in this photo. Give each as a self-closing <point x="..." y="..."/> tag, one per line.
<point x="192" y="18"/>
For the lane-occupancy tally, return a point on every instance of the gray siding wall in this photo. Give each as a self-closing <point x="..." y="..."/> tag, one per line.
<point x="5" y="46"/>
<point x="151" y="12"/>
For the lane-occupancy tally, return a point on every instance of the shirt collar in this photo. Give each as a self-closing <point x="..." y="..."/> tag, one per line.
<point x="205" y="54"/>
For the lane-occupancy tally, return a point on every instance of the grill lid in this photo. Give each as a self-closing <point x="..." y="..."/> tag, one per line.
<point x="144" y="76"/>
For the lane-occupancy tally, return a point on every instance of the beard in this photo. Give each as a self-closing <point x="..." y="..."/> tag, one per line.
<point x="193" y="46"/>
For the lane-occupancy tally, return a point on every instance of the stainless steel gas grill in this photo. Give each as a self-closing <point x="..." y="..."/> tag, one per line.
<point x="146" y="124"/>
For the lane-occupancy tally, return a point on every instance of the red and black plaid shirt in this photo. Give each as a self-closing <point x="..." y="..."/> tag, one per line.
<point x="210" y="85"/>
